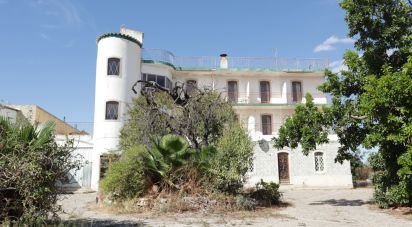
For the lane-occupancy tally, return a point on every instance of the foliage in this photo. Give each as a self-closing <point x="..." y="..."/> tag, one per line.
<point x="125" y="177"/>
<point x="266" y="194"/>
<point x="200" y="119"/>
<point x="371" y="103"/>
<point x="193" y="144"/>
<point x="305" y="126"/>
<point x="30" y="165"/>
<point x="233" y="159"/>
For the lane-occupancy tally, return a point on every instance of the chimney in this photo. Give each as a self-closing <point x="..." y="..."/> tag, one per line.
<point x="223" y="61"/>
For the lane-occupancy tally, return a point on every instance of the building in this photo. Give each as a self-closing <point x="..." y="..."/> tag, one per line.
<point x="264" y="92"/>
<point x="82" y="142"/>
<point x="36" y="115"/>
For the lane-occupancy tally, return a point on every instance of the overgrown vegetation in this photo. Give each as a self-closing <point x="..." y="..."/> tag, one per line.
<point x="371" y="103"/>
<point x="30" y="164"/>
<point x="187" y="149"/>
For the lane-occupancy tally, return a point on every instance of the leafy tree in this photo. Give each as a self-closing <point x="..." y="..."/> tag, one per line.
<point x="30" y="164"/>
<point x="371" y="103"/>
<point x="233" y="159"/>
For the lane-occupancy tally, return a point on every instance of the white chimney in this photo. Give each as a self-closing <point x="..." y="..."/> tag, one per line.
<point x="223" y="61"/>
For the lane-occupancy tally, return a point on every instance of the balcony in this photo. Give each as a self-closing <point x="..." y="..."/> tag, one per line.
<point x="234" y="63"/>
<point x="267" y="98"/>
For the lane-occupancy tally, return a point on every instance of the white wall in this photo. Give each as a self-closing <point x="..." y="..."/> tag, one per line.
<point x="83" y="151"/>
<point x="9" y="114"/>
<point x="113" y="88"/>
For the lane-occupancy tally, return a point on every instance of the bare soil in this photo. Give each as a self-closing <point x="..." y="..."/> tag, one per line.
<point x="307" y="207"/>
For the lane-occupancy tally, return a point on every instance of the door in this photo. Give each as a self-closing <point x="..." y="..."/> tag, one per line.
<point x="283" y="166"/>
<point x="232" y="91"/>
<point x="264" y="91"/>
<point x="296" y="91"/>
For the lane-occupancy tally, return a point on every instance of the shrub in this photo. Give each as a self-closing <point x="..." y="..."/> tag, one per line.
<point x="233" y="159"/>
<point x="266" y="194"/>
<point x="30" y="165"/>
<point x="245" y="202"/>
<point x="126" y="177"/>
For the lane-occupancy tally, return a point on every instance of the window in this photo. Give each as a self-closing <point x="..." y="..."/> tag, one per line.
<point x="266" y="125"/>
<point x="112" y="110"/>
<point x="264" y="91"/>
<point x="160" y="80"/>
<point x="191" y="85"/>
<point x="232" y="91"/>
<point x="319" y="164"/>
<point x="296" y="91"/>
<point x="113" y="66"/>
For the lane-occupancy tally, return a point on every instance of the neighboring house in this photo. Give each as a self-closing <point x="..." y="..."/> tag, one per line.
<point x="38" y="116"/>
<point x="264" y="92"/>
<point x="83" y="143"/>
<point x="11" y="114"/>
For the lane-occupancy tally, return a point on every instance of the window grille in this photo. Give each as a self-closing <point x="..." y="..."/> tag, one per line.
<point x="112" y="110"/>
<point x="113" y="66"/>
<point x="319" y="164"/>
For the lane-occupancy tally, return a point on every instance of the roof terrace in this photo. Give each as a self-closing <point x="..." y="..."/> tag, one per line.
<point x="224" y="62"/>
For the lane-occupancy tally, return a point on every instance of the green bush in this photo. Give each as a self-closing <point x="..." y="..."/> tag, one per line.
<point x="126" y="177"/>
<point x="233" y="159"/>
<point x="266" y="194"/>
<point x="30" y="165"/>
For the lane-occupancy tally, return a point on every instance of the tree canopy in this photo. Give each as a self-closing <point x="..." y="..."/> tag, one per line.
<point x="371" y="100"/>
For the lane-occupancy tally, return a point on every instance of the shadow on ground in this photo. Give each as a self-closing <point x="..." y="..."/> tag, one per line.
<point x="340" y="202"/>
<point x="97" y="223"/>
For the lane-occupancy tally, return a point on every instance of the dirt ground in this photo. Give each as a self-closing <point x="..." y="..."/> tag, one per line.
<point x="307" y="207"/>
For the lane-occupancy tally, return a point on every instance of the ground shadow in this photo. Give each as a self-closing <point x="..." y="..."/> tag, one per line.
<point x="340" y="202"/>
<point x="96" y="223"/>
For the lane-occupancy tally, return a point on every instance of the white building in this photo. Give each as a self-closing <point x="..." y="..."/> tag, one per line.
<point x="264" y="91"/>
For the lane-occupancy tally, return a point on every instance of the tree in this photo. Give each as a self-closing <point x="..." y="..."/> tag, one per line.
<point x="199" y="117"/>
<point x="371" y="103"/>
<point x="30" y="164"/>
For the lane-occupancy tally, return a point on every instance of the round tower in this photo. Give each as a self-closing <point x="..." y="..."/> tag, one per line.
<point x="118" y="67"/>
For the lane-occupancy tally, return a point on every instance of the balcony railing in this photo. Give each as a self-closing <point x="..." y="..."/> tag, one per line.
<point x="263" y="97"/>
<point x="234" y="63"/>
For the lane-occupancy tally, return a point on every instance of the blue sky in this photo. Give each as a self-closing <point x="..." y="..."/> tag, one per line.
<point x="48" y="47"/>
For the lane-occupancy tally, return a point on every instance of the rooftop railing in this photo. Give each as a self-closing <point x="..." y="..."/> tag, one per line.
<point x="234" y="63"/>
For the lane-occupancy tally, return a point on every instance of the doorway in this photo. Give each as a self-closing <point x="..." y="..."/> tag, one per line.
<point x="283" y="166"/>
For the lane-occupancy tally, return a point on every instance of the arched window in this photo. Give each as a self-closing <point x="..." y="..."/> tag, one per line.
<point x="113" y="66"/>
<point x="319" y="163"/>
<point x="112" y="110"/>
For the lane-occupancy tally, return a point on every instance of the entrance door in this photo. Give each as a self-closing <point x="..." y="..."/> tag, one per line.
<point x="283" y="166"/>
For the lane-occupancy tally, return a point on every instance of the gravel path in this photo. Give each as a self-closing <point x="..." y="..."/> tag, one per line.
<point x="308" y="207"/>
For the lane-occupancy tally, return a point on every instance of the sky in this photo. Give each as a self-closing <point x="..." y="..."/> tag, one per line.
<point x="48" y="47"/>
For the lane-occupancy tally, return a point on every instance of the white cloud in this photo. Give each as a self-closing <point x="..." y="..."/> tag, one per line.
<point x="330" y="43"/>
<point x="337" y="66"/>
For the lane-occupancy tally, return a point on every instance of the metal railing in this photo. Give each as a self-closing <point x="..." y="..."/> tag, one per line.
<point x="235" y="63"/>
<point x="263" y="97"/>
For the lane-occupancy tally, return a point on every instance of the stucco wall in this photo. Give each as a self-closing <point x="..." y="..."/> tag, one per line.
<point x="301" y="167"/>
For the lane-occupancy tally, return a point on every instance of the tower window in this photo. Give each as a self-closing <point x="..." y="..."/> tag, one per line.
<point x="112" y="110"/>
<point x="319" y="164"/>
<point x="113" y="66"/>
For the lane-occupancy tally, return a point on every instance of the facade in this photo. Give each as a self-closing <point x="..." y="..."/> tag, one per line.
<point x="264" y="92"/>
